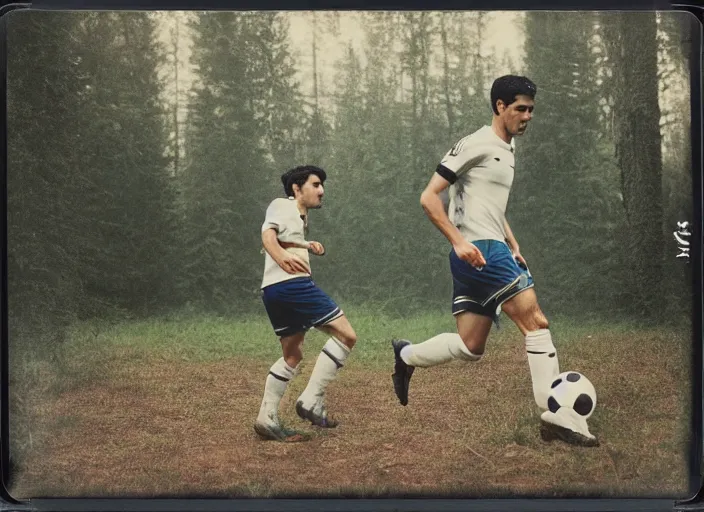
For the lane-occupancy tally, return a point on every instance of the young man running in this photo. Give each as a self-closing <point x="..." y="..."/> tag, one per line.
<point x="295" y="304"/>
<point x="488" y="271"/>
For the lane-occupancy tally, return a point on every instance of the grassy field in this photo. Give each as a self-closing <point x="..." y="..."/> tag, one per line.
<point x="165" y="408"/>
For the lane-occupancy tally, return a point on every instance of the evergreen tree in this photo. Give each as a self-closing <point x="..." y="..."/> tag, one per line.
<point x="632" y="52"/>
<point x="242" y="131"/>
<point x="563" y="209"/>
<point x="129" y="198"/>
<point x="43" y="186"/>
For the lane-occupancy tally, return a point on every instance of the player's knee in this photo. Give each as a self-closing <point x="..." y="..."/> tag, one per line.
<point x="352" y="339"/>
<point x="475" y="348"/>
<point x="293" y="360"/>
<point x="348" y="338"/>
<point x="292" y="350"/>
<point x="540" y="321"/>
<point x="471" y="349"/>
<point x="533" y="320"/>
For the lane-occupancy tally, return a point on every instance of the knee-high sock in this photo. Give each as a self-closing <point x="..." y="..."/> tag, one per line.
<point x="330" y="360"/>
<point x="280" y="374"/>
<point x="437" y="350"/>
<point x="543" y="363"/>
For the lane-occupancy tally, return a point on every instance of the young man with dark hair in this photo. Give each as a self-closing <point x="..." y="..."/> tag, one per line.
<point x="488" y="271"/>
<point x="295" y="304"/>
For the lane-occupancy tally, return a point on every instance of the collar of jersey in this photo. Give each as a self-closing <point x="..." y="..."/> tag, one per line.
<point x="510" y="146"/>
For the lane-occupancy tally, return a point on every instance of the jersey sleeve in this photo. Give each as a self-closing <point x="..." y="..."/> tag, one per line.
<point x="463" y="156"/>
<point x="275" y="217"/>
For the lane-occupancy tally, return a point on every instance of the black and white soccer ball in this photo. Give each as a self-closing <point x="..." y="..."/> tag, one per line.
<point x="574" y="391"/>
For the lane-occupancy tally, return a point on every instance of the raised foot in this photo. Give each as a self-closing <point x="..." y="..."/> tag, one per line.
<point x="402" y="372"/>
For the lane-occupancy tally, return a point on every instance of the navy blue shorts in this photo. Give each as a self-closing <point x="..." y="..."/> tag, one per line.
<point x="298" y="305"/>
<point x="483" y="291"/>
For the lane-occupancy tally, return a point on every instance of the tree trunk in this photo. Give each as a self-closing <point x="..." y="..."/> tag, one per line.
<point x="446" y="78"/>
<point x="175" y="44"/>
<point x="638" y="151"/>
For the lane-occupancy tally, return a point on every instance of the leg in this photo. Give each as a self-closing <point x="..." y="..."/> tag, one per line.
<point x="311" y="404"/>
<point x="468" y="345"/>
<point x="474" y="330"/>
<point x="342" y="330"/>
<point x="280" y="374"/>
<point x="291" y="348"/>
<point x="471" y="289"/>
<point x="524" y="311"/>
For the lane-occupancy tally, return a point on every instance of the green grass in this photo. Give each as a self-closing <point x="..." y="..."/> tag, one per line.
<point x="93" y="348"/>
<point x="98" y="355"/>
<point x="211" y="338"/>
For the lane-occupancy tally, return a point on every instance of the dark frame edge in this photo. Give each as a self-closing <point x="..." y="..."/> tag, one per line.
<point x="396" y="504"/>
<point x="379" y="5"/>
<point x="7" y="502"/>
<point x="696" y="502"/>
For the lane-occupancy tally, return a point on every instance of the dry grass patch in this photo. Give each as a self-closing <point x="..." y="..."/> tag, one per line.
<point x="155" y="427"/>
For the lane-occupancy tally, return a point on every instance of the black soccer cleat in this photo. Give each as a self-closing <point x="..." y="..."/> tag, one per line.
<point x="550" y="432"/>
<point x="318" y="419"/>
<point x="402" y="372"/>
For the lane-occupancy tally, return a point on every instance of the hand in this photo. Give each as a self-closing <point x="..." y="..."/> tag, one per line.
<point x="293" y="264"/>
<point x="317" y="248"/>
<point x="468" y="252"/>
<point x="519" y="257"/>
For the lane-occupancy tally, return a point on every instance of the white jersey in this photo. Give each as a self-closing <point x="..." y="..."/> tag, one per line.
<point x="480" y="167"/>
<point x="283" y="216"/>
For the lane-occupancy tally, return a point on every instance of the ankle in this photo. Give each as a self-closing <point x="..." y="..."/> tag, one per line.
<point x="309" y="398"/>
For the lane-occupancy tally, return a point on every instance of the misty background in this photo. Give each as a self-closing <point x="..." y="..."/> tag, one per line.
<point x="144" y="147"/>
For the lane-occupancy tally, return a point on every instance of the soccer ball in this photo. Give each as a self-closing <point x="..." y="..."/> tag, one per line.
<point x="574" y="391"/>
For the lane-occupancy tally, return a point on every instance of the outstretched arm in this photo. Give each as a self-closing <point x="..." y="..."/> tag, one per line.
<point x="434" y="208"/>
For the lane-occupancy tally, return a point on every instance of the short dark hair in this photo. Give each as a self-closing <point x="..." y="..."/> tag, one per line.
<point x="299" y="175"/>
<point x="507" y="87"/>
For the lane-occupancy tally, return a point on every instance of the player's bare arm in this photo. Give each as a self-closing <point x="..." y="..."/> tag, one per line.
<point x="432" y="204"/>
<point x="315" y="247"/>
<point x="286" y="260"/>
<point x="513" y="243"/>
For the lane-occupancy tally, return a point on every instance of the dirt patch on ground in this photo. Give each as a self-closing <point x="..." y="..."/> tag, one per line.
<point x="182" y="428"/>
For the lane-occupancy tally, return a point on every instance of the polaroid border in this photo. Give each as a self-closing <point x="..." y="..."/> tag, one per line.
<point x="696" y="70"/>
<point x="198" y="503"/>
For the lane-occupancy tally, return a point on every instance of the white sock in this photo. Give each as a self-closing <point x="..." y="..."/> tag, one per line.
<point x="437" y="350"/>
<point x="280" y="374"/>
<point x="543" y="363"/>
<point x="331" y="358"/>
